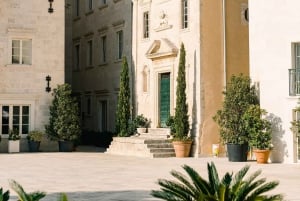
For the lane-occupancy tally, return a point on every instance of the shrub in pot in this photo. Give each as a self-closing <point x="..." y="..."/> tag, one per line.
<point x="181" y="140"/>
<point x="141" y="123"/>
<point x="64" y="124"/>
<point x="296" y="121"/>
<point x="260" y="133"/>
<point x="34" y="140"/>
<point x="238" y="96"/>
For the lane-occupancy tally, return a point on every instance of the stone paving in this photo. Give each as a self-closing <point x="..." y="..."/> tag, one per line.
<point x="96" y="176"/>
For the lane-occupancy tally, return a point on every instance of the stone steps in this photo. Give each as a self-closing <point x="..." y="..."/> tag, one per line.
<point x="154" y="144"/>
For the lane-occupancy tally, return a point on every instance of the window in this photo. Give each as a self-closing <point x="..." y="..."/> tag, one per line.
<point x="184" y="13"/>
<point x="103" y="49"/>
<point x="15" y="117"/>
<point x="77" y="57"/>
<point x="77" y="8"/>
<point x="21" y="52"/>
<point x="146" y="24"/>
<point x="89" y="5"/>
<point x="294" y="73"/>
<point x="102" y="121"/>
<point x="103" y="2"/>
<point x="88" y="105"/>
<point x="89" y="53"/>
<point x="120" y="44"/>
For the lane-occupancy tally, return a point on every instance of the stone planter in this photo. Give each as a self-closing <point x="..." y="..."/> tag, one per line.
<point x="13" y="146"/>
<point x="141" y="130"/>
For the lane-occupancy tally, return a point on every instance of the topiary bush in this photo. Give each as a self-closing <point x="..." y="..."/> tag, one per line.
<point x="64" y="122"/>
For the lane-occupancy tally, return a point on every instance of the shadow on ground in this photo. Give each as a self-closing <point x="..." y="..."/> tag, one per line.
<point x="130" y="195"/>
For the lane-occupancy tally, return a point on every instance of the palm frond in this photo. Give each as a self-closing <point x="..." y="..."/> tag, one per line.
<point x="19" y="190"/>
<point x="4" y="196"/>
<point x="63" y="197"/>
<point x="22" y="195"/>
<point x="249" y="185"/>
<point x="200" y="183"/>
<point x="265" y="188"/>
<point x="183" y="179"/>
<point x="238" y="178"/>
<point x="213" y="177"/>
<point x="37" y="195"/>
<point x="179" y="190"/>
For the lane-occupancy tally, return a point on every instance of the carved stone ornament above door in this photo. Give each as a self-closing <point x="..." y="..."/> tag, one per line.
<point x="161" y="48"/>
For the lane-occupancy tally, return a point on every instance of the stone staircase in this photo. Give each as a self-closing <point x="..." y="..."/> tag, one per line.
<point x="153" y="144"/>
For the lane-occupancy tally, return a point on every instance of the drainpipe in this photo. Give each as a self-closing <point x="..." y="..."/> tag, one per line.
<point x="135" y="63"/>
<point x="224" y="40"/>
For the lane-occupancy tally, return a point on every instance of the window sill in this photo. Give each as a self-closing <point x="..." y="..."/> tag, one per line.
<point x="103" y="6"/>
<point x="18" y="65"/>
<point x="103" y="64"/>
<point x="118" y="61"/>
<point x="89" y="12"/>
<point x="89" y="67"/>
<point x="77" y="18"/>
<point x="145" y="39"/>
<point x="184" y="30"/>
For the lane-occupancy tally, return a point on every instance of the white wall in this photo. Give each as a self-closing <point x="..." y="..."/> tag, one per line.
<point x="274" y="26"/>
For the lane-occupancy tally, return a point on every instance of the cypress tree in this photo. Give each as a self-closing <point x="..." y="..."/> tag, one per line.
<point x="181" y="111"/>
<point x="123" y="108"/>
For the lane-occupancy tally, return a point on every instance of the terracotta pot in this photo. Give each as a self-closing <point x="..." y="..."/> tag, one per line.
<point x="262" y="156"/>
<point x="182" y="148"/>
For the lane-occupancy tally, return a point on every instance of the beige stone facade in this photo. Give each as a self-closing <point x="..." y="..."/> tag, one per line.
<point x="101" y="36"/>
<point x="216" y="43"/>
<point x="31" y="47"/>
<point x="215" y="35"/>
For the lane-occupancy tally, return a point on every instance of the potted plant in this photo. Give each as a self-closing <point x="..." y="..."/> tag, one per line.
<point x="238" y="96"/>
<point x="182" y="142"/>
<point x="63" y="124"/>
<point x="141" y="123"/>
<point x="170" y="124"/>
<point x="296" y="120"/>
<point x="34" y="140"/>
<point x="14" y="140"/>
<point x="260" y="133"/>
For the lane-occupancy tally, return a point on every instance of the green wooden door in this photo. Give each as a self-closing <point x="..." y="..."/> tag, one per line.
<point x="164" y="98"/>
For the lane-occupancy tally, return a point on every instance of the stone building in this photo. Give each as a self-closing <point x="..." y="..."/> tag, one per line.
<point x="31" y="48"/>
<point x="100" y="37"/>
<point x="215" y="35"/>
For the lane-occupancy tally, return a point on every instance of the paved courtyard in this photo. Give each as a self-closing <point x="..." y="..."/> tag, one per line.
<point x="96" y="176"/>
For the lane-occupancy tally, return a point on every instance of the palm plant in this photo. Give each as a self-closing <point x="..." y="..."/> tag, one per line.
<point x="230" y="188"/>
<point x="23" y="196"/>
